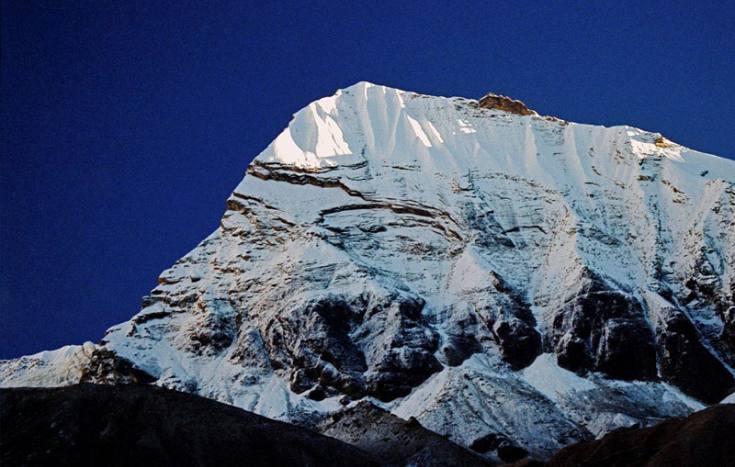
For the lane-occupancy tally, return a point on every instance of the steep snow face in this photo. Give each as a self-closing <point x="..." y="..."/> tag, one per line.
<point x="489" y="272"/>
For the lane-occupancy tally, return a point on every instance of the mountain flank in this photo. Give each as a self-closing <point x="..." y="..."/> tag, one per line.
<point x="130" y="424"/>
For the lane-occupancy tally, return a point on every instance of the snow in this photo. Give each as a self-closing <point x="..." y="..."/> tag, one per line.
<point x="418" y="131"/>
<point x="551" y="380"/>
<point x="330" y="140"/>
<point x="465" y="127"/>
<point x="287" y="152"/>
<point x="674" y="394"/>
<point x="435" y="133"/>
<point x="729" y="399"/>
<point x="50" y="368"/>
<point x="329" y="104"/>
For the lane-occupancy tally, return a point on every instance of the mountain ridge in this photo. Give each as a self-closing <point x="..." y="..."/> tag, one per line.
<point x="138" y="425"/>
<point x="486" y="272"/>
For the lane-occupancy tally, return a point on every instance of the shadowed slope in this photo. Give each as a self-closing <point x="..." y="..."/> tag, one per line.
<point x="143" y="425"/>
<point x="703" y="439"/>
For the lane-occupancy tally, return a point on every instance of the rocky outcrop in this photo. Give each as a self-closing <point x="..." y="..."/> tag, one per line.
<point x="380" y="346"/>
<point x="506" y="449"/>
<point x="104" y="367"/>
<point x="519" y="341"/>
<point x="506" y="104"/>
<point x="683" y="358"/>
<point x="602" y="329"/>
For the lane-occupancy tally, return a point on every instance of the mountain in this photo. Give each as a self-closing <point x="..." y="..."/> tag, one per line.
<point x="505" y="278"/>
<point x="89" y="424"/>
<point x="702" y="439"/>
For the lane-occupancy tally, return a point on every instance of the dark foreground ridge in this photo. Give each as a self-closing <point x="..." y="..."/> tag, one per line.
<point x="705" y="438"/>
<point x="92" y="425"/>
<point x="89" y="424"/>
<point x="395" y="441"/>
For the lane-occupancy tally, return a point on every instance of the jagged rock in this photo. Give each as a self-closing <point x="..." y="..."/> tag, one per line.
<point x="312" y="344"/>
<point x="378" y="346"/>
<point x="506" y="450"/>
<point x="520" y="343"/>
<point x="605" y="330"/>
<point x="506" y="104"/>
<point x="399" y="346"/>
<point x="686" y="363"/>
<point x="464" y="332"/>
<point x="105" y="367"/>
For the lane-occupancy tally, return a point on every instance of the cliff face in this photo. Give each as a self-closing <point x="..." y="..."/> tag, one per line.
<point x="487" y="271"/>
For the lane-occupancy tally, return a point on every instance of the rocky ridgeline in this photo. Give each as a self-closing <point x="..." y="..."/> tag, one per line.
<point x="506" y="104"/>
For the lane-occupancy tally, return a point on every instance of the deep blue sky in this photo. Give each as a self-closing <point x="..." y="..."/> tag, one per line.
<point x="126" y="124"/>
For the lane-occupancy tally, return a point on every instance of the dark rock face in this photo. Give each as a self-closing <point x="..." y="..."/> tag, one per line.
<point x="520" y="343"/>
<point x="394" y="441"/>
<point x="706" y="292"/>
<point x="384" y="346"/>
<point x="323" y="354"/>
<point x="399" y="346"/>
<point x="686" y="363"/>
<point x="89" y="425"/>
<point x="462" y="336"/>
<point x="604" y="330"/>
<point x="378" y="346"/>
<point x="514" y="328"/>
<point x="703" y="439"/>
<point x="105" y="367"/>
<point x="626" y="350"/>
<point x="506" y="450"/>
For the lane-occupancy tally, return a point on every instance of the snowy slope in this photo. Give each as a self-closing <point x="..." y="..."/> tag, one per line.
<point x="485" y="271"/>
<point x="58" y="367"/>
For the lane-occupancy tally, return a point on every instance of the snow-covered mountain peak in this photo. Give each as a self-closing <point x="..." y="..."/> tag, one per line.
<point x="370" y="122"/>
<point x="485" y="269"/>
